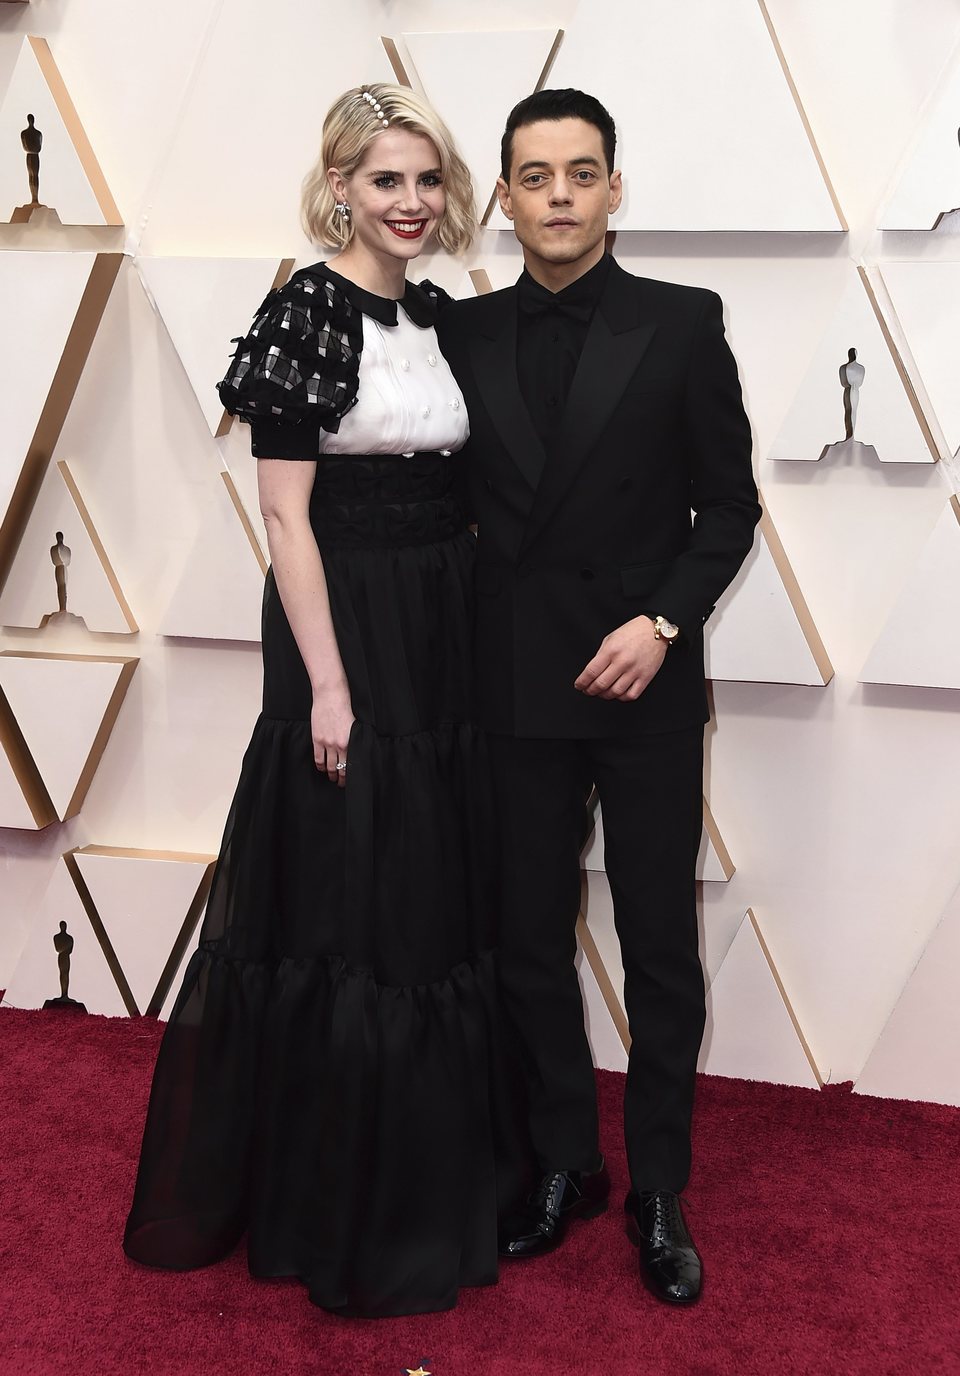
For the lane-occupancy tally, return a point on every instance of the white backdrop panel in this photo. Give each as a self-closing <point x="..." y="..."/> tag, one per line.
<point x="926" y="297"/>
<point x="929" y="182"/>
<point x="916" y="1056"/>
<point x="41" y="293"/>
<point x="920" y="644"/>
<point x="64" y="185"/>
<point x="884" y="416"/>
<point x="707" y="142"/>
<point x="37" y="978"/>
<point x="30" y="592"/>
<point x="205" y="303"/>
<point x="142" y="901"/>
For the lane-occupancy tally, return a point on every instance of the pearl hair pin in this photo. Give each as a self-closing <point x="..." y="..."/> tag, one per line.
<point x="376" y="107"/>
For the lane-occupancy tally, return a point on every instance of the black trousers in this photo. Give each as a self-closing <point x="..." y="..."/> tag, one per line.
<point x="651" y="797"/>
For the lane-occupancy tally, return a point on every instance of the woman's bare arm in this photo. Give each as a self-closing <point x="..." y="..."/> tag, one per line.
<point x="285" y="486"/>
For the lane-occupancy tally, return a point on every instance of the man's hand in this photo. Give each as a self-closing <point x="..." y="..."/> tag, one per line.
<point x="628" y="658"/>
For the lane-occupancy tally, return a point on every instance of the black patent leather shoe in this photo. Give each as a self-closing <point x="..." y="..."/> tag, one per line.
<point x="541" y="1224"/>
<point x="670" y="1265"/>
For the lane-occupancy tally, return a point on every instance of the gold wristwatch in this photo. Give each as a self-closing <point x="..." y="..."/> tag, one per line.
<point x="665" y="630"/>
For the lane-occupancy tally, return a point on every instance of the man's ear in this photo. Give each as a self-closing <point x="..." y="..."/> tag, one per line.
<point x="503" y="196"/>
<point x="616" y="191"/>
<point x="337" y="185"/>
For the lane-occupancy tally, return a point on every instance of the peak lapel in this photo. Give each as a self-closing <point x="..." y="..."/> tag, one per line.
<point x="616" y="341"/>
<point x="495" y="368"/>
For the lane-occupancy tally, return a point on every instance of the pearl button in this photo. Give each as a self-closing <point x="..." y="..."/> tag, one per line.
<point x="405" y="364"/>
<point x="445" y="453"/>
<point x="455" y="405"/>
<point x="432" y="360"/>
<point x="425" y="412"/>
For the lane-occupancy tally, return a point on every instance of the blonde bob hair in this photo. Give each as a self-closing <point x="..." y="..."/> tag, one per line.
<point x="348" y="130"/>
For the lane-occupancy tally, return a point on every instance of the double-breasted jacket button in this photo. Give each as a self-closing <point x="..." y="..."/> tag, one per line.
<point x="432" y="360"/>
<point x="586" y="574"/>
<point x="625" y="484"/>
<point x="426" y="411"/>
<point x="405" y="365"/>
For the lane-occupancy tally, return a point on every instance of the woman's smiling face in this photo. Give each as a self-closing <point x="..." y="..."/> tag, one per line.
<point x="396" y="194"/>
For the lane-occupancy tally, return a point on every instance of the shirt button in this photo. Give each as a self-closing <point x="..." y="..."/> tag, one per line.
<point x="432" y="360"/>
<point x="455" y="405"/>
<point x="425" y="412"/>
<point x="445" y="453"/>
<point x="405" y="364"/>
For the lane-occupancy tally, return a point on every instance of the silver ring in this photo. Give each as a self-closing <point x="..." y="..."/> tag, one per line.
<point x="341" y="764"/>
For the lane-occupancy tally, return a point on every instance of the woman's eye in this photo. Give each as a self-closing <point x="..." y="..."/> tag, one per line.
<point x="383" y="183"/>
<point x="431" y="179"/>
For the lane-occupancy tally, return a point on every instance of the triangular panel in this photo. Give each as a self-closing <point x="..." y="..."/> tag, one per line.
<point x="752" y="1032"/>
<point x="926" y="297"/>
<point x="472" y="78"/>
<point x="220" y="585"/>
<point x="762" y="631"/>
<point x="867" y="397"/>
<point x="37" y="974"/>
<point x="143" y="899"/>
<point x="15" y="811"/>
<point x="707" y="144"/>
<point x="920" y="644"/>
<point x="200" y="301"/>
<point x="57" y="300"/>
<point x="56" y="176"/>
<point x="928" y="187"/>
<point x="916" y="1055"/>
<point x="66" y="706"/>
<point x="61" y="571"/>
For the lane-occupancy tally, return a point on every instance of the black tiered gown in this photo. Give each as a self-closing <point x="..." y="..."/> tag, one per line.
<point x="330" y="1080"/>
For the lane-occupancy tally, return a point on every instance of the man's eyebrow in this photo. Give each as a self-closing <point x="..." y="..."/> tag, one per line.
<point x="585" y="161"/>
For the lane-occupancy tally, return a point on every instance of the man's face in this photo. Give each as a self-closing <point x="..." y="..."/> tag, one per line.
<point x="560" y="194"/>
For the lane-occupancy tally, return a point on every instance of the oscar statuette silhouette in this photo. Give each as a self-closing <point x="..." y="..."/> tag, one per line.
<point x="31" y="140"/>
<point x="63" y="943"/>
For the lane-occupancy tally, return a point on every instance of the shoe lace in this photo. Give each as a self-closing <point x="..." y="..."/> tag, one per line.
<point x="666" y="1216"/>
<point x="548" y="1192"/>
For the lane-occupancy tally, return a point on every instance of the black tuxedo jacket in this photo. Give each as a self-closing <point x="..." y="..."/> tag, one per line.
<point x="574" y="542"/>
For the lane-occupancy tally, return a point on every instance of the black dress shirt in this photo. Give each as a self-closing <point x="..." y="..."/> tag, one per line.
<point x="551" y="330"/>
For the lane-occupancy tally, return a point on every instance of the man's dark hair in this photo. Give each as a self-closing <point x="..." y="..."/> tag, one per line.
<point x="563" y="104"/>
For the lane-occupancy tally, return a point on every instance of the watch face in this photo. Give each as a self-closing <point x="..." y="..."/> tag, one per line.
<point x="668" y="630"/>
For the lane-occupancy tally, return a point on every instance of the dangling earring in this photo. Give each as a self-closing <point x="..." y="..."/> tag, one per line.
<point x="342" y="209"/>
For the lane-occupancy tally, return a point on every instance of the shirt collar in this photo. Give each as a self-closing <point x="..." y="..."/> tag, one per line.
<point x="583" y="291"/>
<point x="421" y="309"/>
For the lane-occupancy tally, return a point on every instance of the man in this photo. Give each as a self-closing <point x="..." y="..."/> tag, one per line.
<point x="603" y="407"/>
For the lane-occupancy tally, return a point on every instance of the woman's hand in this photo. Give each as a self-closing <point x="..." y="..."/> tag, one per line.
<point x="331" y="718"/>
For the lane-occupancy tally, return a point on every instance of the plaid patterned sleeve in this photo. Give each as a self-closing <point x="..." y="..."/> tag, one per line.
<point x="296" y="369"/>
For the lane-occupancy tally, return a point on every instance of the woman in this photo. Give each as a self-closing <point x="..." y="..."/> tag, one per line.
<point x="327" y="1078"/>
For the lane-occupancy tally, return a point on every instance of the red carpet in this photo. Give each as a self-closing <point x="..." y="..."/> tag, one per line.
<point x="829" y="1225"/>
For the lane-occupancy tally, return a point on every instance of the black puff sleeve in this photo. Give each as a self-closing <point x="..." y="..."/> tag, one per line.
<point x="296" y="371"/>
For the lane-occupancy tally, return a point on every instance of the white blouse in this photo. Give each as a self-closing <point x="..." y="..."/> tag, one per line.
<point x="408" y="401"/>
